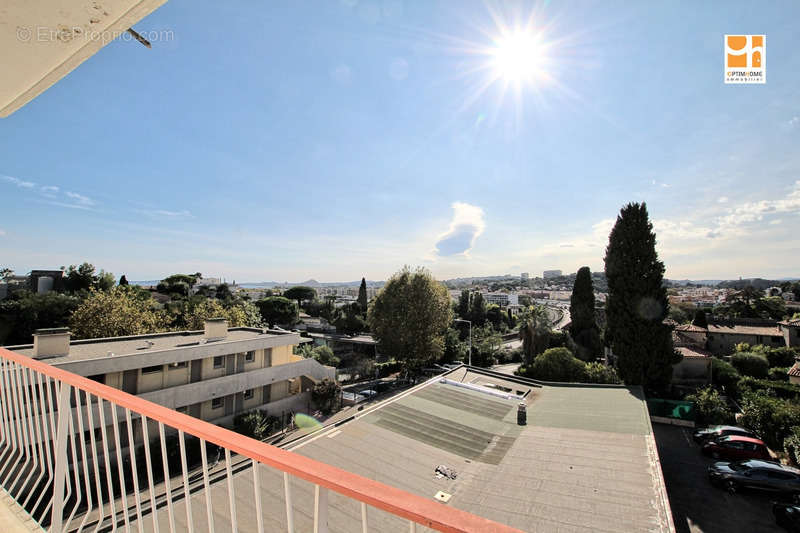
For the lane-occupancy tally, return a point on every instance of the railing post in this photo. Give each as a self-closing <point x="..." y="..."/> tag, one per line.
<point x="64" y="414"/>
<point x="320" y="509"/>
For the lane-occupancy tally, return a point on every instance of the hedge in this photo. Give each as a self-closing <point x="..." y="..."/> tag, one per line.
<point x="751" y="364"/>
<point x="780" y="389"/>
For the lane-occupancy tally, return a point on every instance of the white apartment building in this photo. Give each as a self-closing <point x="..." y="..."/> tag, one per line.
<point x="212" y="374"/>
<point x="502" y="299"/>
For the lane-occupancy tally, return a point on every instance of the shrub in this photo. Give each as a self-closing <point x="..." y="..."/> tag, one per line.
<point x="781" y="357"/>
<point x="725" y="375"/>
<point x="327" y="396"/>
<point x="771" y="418"/>
<point x="779" y="389"/>
<point x="558" y="364"/>
<point x="778" y="374"/>
<point x="256" y="424"/>
<point x="751" y="364"/>
<point x="791" y="444"/>
<point x="710" y="407"/>
<point x="600" y="373"/>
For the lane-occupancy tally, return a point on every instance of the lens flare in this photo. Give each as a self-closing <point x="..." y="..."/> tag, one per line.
<point x="304" y="421"/>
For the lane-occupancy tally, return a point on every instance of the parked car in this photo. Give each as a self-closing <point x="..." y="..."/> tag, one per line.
<point x="787" y="516"/>
<point x="756" y="474"/>
<point x="734" y="447"/>
<point x="715" y="432"/>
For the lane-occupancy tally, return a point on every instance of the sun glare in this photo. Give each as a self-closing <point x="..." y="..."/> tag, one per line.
<point x="518" y="57"/>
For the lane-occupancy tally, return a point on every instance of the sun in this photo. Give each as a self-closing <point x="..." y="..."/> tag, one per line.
<point x="518" y="57"/>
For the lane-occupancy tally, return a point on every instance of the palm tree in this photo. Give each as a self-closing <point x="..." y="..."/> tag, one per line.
<point x="534" y="332"/>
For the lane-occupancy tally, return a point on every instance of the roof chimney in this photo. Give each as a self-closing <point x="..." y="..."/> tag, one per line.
<point x="50" y="342"/>
<point x="216" y="329"/>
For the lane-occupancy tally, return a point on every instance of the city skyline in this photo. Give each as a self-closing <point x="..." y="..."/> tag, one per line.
<point x="349" y="140"/>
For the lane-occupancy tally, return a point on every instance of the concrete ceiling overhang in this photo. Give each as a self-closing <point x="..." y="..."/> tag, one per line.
<point x="41" y="41"/>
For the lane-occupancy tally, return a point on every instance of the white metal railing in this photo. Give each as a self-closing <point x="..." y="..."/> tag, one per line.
<point x="78" y="455"/>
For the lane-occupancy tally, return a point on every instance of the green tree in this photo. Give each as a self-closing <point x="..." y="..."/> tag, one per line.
<point x="584" y="328"/>
<point x="463" y="304"/>
<point x="558" y="364"/>
<point x="711" y="408"/>
<point x="477" y="310"/>
<point x="327" y="396"/>
<point x="25" y="312"/>
<point x="115" y="313"/>
<point x="534" y="332"/>
<point x="6" y="273"/>
<point x="277" y="310"/>
<point x="244" y="314"/>
<point x="80" y="278"/>
<point x="409" y="317"/>
<point x="123" y="280"/>
<point x="637" y="301"/>
<point x="349" y="320"/>
<point x="496" y="317"/>
<point x="362" y="296"/>
<point x="300" y="294"/>
<point x="324" y="356"/>
<point x="224" y="293"/>
<point x="700" y="319"/>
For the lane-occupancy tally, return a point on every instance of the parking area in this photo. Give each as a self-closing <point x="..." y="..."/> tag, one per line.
<point x="697" y="506"/>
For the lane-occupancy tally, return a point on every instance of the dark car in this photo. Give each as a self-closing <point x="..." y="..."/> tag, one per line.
<point x="734" y="447"/>
<point x="715" y="432"/>
<point x="787" y="516"/>
<point x="755" y="474"/>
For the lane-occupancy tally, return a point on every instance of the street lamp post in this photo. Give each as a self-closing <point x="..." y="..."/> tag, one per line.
<point x="470" y="337"/>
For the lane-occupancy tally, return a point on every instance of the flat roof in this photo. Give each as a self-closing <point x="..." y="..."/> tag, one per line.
<point x="585" y="461"/>
<point x="94" y="348"/>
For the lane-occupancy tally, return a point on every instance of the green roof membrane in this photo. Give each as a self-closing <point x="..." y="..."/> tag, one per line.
<point x="619" y="410"/>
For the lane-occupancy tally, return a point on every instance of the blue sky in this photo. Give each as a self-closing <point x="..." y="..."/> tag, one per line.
<point x="340" y="139"/>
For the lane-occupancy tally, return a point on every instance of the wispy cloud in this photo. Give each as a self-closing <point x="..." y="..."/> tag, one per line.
<point x="2" y="233"/>
<point x="165" y="213"/>
<point x="52" y="193"/>
<point x="466" y="226"/>
<point x="49" y="191"/>
<point x="79" y="199"/>
<point x="794" y="122"/>
<point x="18" y="182"/>
<point x="722" y="200"/>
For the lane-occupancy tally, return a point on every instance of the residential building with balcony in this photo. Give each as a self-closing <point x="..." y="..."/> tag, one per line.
<point x="211" y="375"/>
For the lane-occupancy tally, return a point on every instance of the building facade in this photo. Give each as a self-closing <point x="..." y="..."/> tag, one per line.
<point x="212" y="375"/>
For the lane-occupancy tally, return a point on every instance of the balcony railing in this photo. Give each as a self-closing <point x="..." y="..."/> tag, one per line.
<point x="78" y="455"/>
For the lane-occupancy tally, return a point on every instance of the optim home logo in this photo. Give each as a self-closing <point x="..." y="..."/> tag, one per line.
<point x="745" y="59"/>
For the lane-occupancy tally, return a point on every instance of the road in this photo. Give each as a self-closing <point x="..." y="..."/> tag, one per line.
<point x="506" y="369"/>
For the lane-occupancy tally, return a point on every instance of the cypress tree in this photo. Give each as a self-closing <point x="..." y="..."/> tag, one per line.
<point x="584" y="328"/>
<point x="700" y="319"/>
<point x="123" y="280"/>
<point x="637" y="301"/>
<point x="362" y="295"/>
<point x="463" y="305"/>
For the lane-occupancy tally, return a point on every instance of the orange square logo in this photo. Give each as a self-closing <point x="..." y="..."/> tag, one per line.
<point x="745" y="58"/>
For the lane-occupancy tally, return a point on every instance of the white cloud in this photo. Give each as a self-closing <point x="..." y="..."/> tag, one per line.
<point x="2" y="233"/>
<point x="750" y="212"/>
<point x="79" y="199"/>
<point x="794" y="122"/>
<point x="723" y="199"/>
<point x="775" y="222"/>
<point x="18" y="182"/>
<point x="466" y="226"/>
<point x="164" y="213"/>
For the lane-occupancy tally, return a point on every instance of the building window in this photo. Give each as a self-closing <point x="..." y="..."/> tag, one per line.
<point x="248" y="394"/>
<point x="217" y="403"/>
<point x="100" y="378"/>
<point x="182" y="364"/>
<point x="152" y="369"/>
<point x="219" y="361"/>
<point x="249" y="357"/>
<point x="183" y="409"/>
